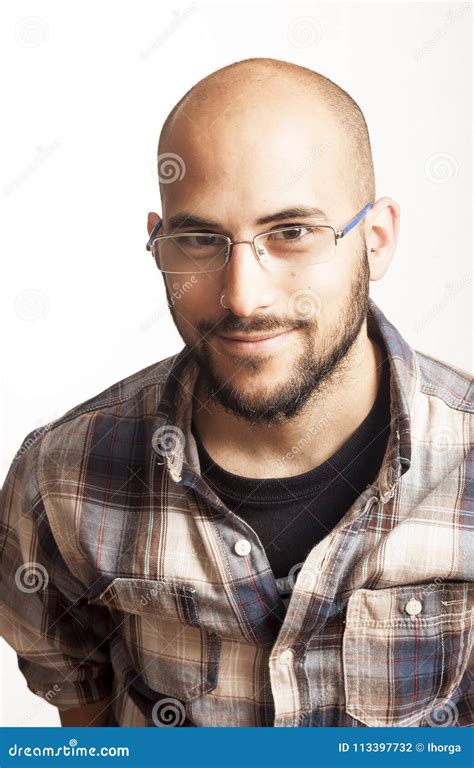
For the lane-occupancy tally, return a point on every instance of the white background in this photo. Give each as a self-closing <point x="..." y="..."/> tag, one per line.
<point x="86" y="89"/>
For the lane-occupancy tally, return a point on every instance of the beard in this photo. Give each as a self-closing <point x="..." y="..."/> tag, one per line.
<point x="311" y="374"/>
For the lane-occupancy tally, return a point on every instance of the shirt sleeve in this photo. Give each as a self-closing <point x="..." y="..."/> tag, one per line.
<point x="61" y="641"/>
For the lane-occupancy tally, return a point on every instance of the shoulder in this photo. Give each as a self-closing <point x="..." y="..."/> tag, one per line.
<point x="127" y="400"/>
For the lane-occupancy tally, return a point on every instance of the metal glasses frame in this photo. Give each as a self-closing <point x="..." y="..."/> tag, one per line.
<point x="338" y="234"/>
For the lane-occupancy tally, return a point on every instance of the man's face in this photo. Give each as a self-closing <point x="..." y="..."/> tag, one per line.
<point x="243" y="167"/>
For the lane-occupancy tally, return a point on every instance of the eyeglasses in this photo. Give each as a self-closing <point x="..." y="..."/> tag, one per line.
<point x="203" y="252"/>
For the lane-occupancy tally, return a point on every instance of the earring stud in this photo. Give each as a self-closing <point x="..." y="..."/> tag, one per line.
<point x="372" y="250"/>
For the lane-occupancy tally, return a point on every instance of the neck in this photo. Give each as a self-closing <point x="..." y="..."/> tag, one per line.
<point x="300" y="444"/>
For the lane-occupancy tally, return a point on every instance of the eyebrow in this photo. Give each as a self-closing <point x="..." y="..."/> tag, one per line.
<point x="185" y="219"/>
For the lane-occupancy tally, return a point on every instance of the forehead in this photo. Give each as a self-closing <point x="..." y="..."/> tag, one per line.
<point x="255" y="158"/>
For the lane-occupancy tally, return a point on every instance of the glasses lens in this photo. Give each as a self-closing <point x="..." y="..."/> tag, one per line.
<point x="296" y="246"/>
<point x="190" y="253"/>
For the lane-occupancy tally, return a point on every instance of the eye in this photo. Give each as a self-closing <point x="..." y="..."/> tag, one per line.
<point x="203" y="240"/>
<point x="289" y="234"/>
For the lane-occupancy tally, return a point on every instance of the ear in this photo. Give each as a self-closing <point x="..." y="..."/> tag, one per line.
<point x="381" y="235"/>
<point x="152" y="221"/>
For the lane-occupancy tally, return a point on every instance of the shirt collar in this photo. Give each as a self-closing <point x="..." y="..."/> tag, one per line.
<point x="175" y="445"/>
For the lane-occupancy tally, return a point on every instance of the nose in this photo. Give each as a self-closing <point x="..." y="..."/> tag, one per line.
<point x="247" y="284"/>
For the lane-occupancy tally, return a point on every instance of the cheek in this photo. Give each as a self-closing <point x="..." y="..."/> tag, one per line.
<point x="321" y="285"/>
<point x="186" y="292"/>
<point x="318" y="293"/>
<point x="192" y="299"/>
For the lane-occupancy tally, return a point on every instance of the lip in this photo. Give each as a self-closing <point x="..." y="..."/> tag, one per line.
<point x="243" y="344"/>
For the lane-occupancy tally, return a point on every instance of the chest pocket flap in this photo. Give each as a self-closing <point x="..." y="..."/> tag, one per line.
<point x="158" y="623"/>
<point x="405" y="651"/>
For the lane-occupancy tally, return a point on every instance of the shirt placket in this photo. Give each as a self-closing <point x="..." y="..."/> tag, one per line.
<point x="284" y="635"/>
<point x="319" y="594"/>
<point x="313" y="602"/>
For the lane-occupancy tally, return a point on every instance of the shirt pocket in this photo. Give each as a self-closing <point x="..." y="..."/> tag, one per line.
<point x="405" y="650"/>
<point x="158" y="622"/>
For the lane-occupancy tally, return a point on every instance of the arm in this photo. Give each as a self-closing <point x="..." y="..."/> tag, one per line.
<point x="95" y="714"/>
<point x="61" y="640"/>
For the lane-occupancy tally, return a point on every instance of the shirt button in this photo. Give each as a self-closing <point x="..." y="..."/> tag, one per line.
<point x="242" y="547"/>
<point x="286" y="657"/>
<point x="413" y="607"/>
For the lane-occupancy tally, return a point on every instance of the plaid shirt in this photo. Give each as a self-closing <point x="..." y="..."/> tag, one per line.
<point x="123" y="572"/>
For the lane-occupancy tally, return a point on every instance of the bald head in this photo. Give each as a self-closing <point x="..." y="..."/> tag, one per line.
<point x="261" y="94"/>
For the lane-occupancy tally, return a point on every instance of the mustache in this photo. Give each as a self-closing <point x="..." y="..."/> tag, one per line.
<point x="233" y="324"/>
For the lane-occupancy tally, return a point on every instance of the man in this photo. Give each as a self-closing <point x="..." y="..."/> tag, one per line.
<point x="269" y="528"/>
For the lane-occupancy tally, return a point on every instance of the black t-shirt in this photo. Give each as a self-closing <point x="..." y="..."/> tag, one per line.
<point x="291" y="515"/>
